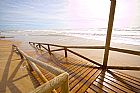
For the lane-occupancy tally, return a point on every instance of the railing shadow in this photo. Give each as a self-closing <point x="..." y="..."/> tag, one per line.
<point x="34" y="80"/>
<point x="127" y="83"/>
<point x="8" y="78"/>
<point x="5" y="82"/>
<point x="101" y="81"/>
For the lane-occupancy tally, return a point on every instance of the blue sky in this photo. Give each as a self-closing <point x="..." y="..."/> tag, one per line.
<point x="31" y="14"/>
<point x="58" y="14"/>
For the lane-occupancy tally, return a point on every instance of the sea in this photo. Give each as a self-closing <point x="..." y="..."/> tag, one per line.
<point x="126" y="36"/>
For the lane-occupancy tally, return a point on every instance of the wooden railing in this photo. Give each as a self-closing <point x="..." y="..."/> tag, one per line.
<point x="68" y="49"/>
<point x="61" y="79"/>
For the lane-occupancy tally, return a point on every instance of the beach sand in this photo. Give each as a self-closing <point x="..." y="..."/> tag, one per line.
<point x="14" y="77"/>
<point x="115" y="58"/>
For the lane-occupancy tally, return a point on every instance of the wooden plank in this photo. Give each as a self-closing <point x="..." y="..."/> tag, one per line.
<point x="52" y="45"/>
<point x="127" y="86"/>
<point x="123" y="68"/>
<point x="79" y="79"/>
<point x="78" y="74"/>
<point x="60" y="80"/>
<point x="85" y="58"/>
<point x="87" y="47"/>
<point x="118" y="84"/>
<point x="82" y="80"/>
<point x="69" y="67"/>
<point x="97" y="89"/>
<point x="47" y="74"/>
<point x="89" y="90"/>
<point x="105" y="88"/>
<point x="137" y="80"/>
<point x="127" y="83"/>
<point x="56" y="50"/>
<point x="78" y="68"/>
<point x="110" y="86"/>
<point x="85" y="86"/>
<point x="125" y="51"/>
<point x="80" y="47"/>
<point x="70" y="64"/>
<point x="35" y="79"/>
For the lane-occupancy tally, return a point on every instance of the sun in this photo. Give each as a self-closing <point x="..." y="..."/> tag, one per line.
<point x="89" y="8"/>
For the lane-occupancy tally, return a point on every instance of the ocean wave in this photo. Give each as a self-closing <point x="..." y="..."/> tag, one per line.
<point x="127" y="36"/>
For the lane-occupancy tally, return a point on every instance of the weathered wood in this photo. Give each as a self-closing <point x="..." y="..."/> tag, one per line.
<point x="80" y="47"/>
<point x="109" y="32"/>
<point x="29" y="66"/>
<point x="125" y="51"/>
<point x="48" y="44"/>
<point x="130" y="85"/>
<point x="117" y="84"/>
<point x="39" y="45"/>
<point x="87" y="84"/>
<point x="78" y="78"/>
<point x="86" y="47"/>
<point x="44" y="47"/>
<point x="17" y="52"/>
<point x="123" y="67"/>
<point x="56" y="50"/>
<point x="65" y="51"/>
<point x="39" y="73"/>
<point x="61" y="80"/>
<point x="78" y="86"/>
<point x="54" y="83"/>
<point x="49" y="49"/>
<point x="81" y="77"/>
<point x="84" y="57"/>
<point x="46" y="66"/>
<point x="94" y="47"/>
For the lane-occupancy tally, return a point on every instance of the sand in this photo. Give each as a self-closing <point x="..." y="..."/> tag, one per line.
<point x="14" y="77"/>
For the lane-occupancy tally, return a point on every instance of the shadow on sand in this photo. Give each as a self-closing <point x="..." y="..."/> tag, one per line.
<point x="8" y="78"/>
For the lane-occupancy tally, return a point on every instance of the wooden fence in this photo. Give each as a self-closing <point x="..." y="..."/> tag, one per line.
<point x="61" y="79"/>
<point x="66" y="49"/>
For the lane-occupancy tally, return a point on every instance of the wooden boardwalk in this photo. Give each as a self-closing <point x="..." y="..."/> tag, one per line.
<point x="84" y="77"/>
<point x="87" y="78"/>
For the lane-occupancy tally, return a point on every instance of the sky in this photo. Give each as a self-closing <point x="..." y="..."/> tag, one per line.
<point x="66" y="14"/>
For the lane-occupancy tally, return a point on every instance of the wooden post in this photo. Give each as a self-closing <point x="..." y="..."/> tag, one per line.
<point x="65" y="51"/>
<point x="49" y="50"/>
<point x="109" y="32"/>
<point x="33" y="44"/>
<point x="39" y="45"/>
<point x="65" y="86"/>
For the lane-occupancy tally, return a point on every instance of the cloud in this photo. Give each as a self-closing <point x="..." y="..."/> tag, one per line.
<point x="34" y="12"/>
<point x="64" y="13"/>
